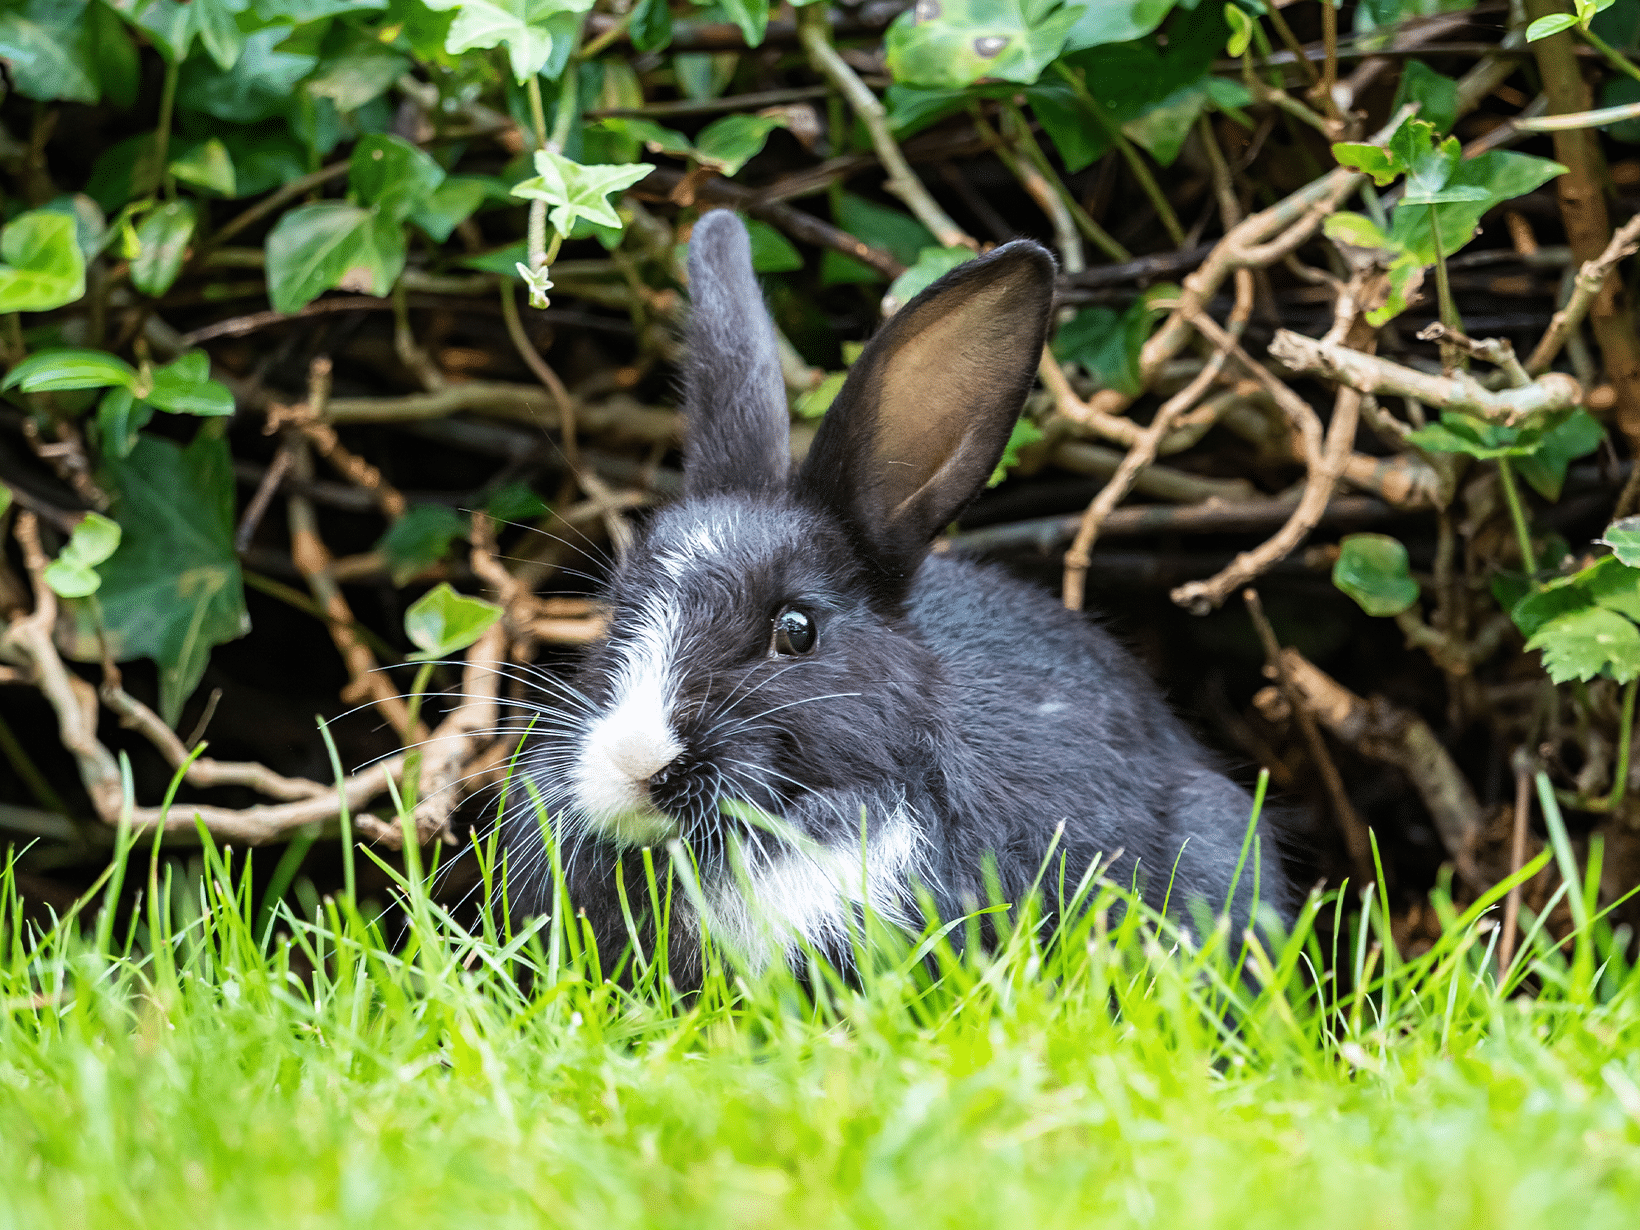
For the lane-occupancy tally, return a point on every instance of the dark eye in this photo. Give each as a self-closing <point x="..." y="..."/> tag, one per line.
<point x="793" y="632"/>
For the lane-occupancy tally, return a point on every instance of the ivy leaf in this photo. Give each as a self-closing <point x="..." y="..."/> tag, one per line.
<point x="1372" y="569"/>
<point x="392" y="175"/>
<point x="1623" y="537"/>
<point x="1586" y="643"/>
<point x="173" y="589"/>
<point x="1545" y="468"/>
<point x="1402" y="267"/>
<point x="772" y="252"/>
<point x="752" y="16"/>
<point x="259" y="87"/>
<point x="328" y="244"/>
<point x="1024" y="434"/>
<point x="208" y="166"/>
<point x="1459" y="433"/>
<point x="442" y="622"/>
<point x="1539" y="607"/>
<point x="1241" y="31"/>
<point x="46" y="45"/>
<point x="656" y="138"/>
<point x="932" y="264"/>
<point x="1614" y="585"/>
<point x="120" y="416"/>
<point x="954" y="43"/>
<point x="731" y="142"/>
<point x="1554" y="23"/>
<point x="163" y="239"/>
<point x="575" y="191"/>
<point x="897" y="233"/>
<point x="651" y="25"/>
<point x="1107" y="343"/>
<point x="1375" y="160"/>
<point x="419" y="539"/>
<point x="70" y="369"/>
<point x="1501" y="174"/>
<point x="1436" y="96"/>
<point x="184" y="386"/>
<point x="520" y="24"/>
<point x="44" y="267"/>
<point x="450" y="204"/>
<point x="73" y="573"/>
<point x="514" y="503"/>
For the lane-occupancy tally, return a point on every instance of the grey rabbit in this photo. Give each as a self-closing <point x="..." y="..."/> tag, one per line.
<point x="783" y="639"/>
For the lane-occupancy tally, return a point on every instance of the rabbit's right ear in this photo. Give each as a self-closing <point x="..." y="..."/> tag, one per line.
<point x="920" y="423"/>
<point x="738" y="428"/>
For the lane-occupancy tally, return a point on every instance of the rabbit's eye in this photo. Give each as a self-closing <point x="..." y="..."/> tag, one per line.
<point x="793" y="632"/>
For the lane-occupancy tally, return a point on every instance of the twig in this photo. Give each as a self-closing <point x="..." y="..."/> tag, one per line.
<point x="1460" y="391"/>
<point x="1591" y="280"/>
<point x="272" y="203"/>
<point x="258" y="507"/>
<point x="533" y="360"/>
<point x="1517" y="857"/>
<point x="1497" y="351"/>
<point x="307" y="419"/>
<point x="1388" y="733"/>
<point x="1143" y="450"/>
<point x="1356" y="839"/>
<point x="815" y="35"/>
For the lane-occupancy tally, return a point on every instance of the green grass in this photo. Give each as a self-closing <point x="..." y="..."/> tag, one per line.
<point x="226" y="1065"/>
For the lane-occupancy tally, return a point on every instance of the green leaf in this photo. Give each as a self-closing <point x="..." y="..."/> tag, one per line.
<point x="515" y="503"/>
<point x="442" y="622"/>
<point x="1024" y="434"/>
<point x="1623" y="537"/>
<point x="656" y="138"/>
<point x="815" y="403"/>
<point x="1375" y="160"/>
<point x="419" y="539"/>
<point x="1613" y="585"/>
<point x="362" y="73"/>
<point x="771" y="251"/>
<point x="1436" y="96"/>
<point x="173" y="589"/>
<point x="391" y="174"/>
<point x="216" y="22"/>
<point x="314" y="248"/>
<point x="731" y="142"/>
<point x="1539" y="607"/>
<point x="1117" y="21"/>
<point x="70" y="369"/>
<point x="46" y="45"/>
<point x="932" y="264"/>
<point x="1545" y="468"/>
<point x="575" y="191"/>
<point x="1459" y="433"/>
<point x="73" y="573"/>
<point x="44" y="267"/>
<point x="954" y="43"/>
<point x="450" y="204"/>
<point x="651" y="25"/>
<point x="897" y="233"/>
<point x="752" y="16"/>
<point x="1619" y="92"/>
<point x="120" y="416"/>
<point x="1372" y="569"/>
<point x="1554" y="23"/>
<point x="1587" y="643"/>
<point x="184" y="386"/>
<point x="163" y="236"/>
<point x="259" y="87"/>
<point x="1162" y="129"/>
<point x="1241" y="31"/>
<point x="208" y="166"/>
<point x="1501" y="174"/>
<point x="519" y="24"/>
<point x="1107" y="343"/>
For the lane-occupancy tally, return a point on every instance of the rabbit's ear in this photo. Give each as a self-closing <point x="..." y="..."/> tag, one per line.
<point x="920" y="423"/>
<point x="738" y="434"/>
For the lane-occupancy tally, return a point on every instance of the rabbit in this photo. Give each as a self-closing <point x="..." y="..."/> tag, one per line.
<point x="784" y="643"/>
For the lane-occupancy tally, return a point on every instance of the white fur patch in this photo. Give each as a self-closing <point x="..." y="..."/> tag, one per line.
<point x="699" y="543"/>
<point x="634" y="739"/>
<point x="810" y="895"/>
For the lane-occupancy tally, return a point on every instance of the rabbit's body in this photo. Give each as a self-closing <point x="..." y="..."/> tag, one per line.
<point x="785" y="643"/>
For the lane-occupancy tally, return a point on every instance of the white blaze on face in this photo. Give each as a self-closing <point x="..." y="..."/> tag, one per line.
<point x="633" y="739"/>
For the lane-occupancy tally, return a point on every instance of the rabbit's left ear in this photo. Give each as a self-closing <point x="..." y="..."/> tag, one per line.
<point x="920" y="423"/>
<point x="738" y="429"/>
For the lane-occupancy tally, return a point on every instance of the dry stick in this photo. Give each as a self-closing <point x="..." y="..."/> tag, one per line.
<point x="258" y="507"/>
<point x="1367" y="373"/>
<point x="1388" y="733"/>
<point x="1356" y="838"/>
<point x="537" y="365"/>
<point x="1591" y="280"/>
<point x="1080" y="218"/>
<point x="304" y="418"/>
<point x="1143" y="452"/>
<point x="1324" y="465"/>
<point x="272" y="203"/>
<point x="1498" y="351"/>
<point x="1517" y="859"/>
<point x="1041" y="190"/>
<point x="902" y="181"/>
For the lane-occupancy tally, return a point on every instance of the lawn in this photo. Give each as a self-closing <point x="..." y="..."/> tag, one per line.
<point x="221" y="1063"/>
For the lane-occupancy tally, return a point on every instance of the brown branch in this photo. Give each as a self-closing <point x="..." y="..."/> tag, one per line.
<point x="308" y="418"/>
<point x="1591" y="280"/>
<point x="1387" y="733"/>
<point x="1356" y="839"/>
<point x="1460" y="391"/>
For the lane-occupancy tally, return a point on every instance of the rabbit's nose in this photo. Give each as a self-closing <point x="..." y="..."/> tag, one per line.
<point x="640" y="755"/>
